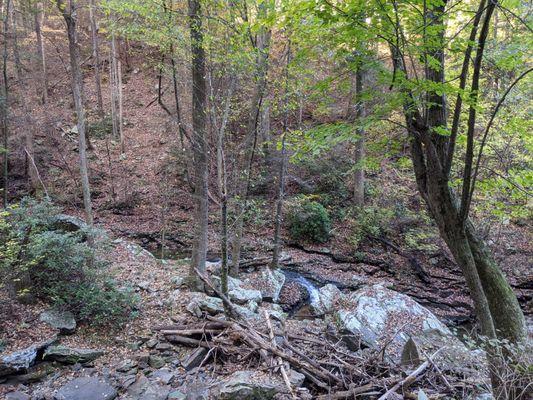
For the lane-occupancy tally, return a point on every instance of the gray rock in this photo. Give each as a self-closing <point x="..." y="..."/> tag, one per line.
<point x="271" y="283"/>
<point x="178" y="281"/>
<point x="156" y="362"/>
<point x="177" y="395"/>
<point x="275" y="311"/>
<point x="212" y="305"/>
<point x="328" y="296"/>
<point x="62" y="320"/>
<point x="243" y="296"/>
<point x="296" y="378"/>
<point x="376" y="315"/>
<point x="164" y="375"/>
<point x="127" y="365"/>
<point x="194" y="359"/>
<point x="19" y="361"/>
<point x="86" y="389"/>
<point x="143" y="389"/>
<point x="69" y="223"/>
<point x="452" y="357"/>
<point x="247" y="385"/>
<point x="17" y="396"/>
<point x="152" y="343"/>
<point x="71" y="355"/>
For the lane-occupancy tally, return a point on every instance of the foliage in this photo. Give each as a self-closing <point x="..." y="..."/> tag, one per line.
<point x="101" y="128"/>
<point x="39" y="261"/>
<point x="370" y="221"/>
<point x="308" y="220"/>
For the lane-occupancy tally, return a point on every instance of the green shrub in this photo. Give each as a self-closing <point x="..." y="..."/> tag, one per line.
<point x="101" y="128"/>
<point x="37" y="260"/>
<point x="371" y="221"/>
<point x="308" y="220"/>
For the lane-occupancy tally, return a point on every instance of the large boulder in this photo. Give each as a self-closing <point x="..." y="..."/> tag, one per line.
<point x="62" y="320"/>
<point x="242" y="296"/>
<point x="147" y="389"/>
<point x="71" y="355"/>
<point x="86" y="389"/>
<point x="271" y="282"/>
<point x="69" y="223"/>
<point x="20" y="361"/>
<point x="248" y="385"/>
<point x="325" y="300"/>
<point x="377" y="316"/>
<point x="447" y="352"/>
<point x="201" y="302"/>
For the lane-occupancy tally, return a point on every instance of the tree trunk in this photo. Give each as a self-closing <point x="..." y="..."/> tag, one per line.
<point x="96" y="58"/>
<point x="5" y="105"/>
<point x="199" y="144"/>
<point x="359" y="153"/>
<point x="42" y="78"/>
<point x="70" y="16"/>
<point x="243" y="181"/>
<point x="14" y="37"/>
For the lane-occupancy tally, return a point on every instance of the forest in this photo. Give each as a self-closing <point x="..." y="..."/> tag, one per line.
<point x="266" y="199"/>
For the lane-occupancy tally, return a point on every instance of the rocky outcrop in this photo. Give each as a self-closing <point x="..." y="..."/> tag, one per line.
<point x="86" y="389"/>
<point x="271" y="283"/>
<point x="247" y="385"/>
<point x="325" y="300"/>
<point x="449" y="353"/>
<point x="70" y="355"/>
<point x="19" y="361"/>
<point x="62" y="320"/>
<point x="376" y="315"/>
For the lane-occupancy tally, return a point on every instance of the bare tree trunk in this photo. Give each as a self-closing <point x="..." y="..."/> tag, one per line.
<point x="5" y="104"/>
<point x="70" y="16"/>
<point x="359" y="153"/>
<point x="243" y="181"/>
<point x="276" y="251"/>
<point x="41" y="79"/>
<point x="199" y="144"/>
<point x="96" y="58"/>
<point x="14" y="37"/>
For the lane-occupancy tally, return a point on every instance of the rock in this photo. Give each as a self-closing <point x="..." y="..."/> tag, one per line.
<point x="247" y="385"/>
<point x="163" y="375"/>
<point x="71" y="355"/>
<point x="152" y="343"/>
<point x="143" y="389"/>
<point x="212" y="305"/>
<point x="194" y="359"/>
<point x="327" y="297"/>
<point x="271" y="283"/>
<point x="275" y="311"/>
<point x="453" y="356"/>
<point x="376" y="315"/>
<point x="156" y="362"/>
<point x="127" y="365"/>
<point x="62" y="320"/>
<point x="86" y="389"/>
<point x="177" y="395"/>
<point x="178" y="281"/>
<point x="296" y="378"/>
<point x="243" y="296"/>
<point x="19" y="361"/>
<point x="69" y="223"/>
<point x="17" y="396"/>
<point x="36" y="373"/>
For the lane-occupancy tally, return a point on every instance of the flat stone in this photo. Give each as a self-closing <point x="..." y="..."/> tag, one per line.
<point x="17" y="396"/>
<point x="62" y="320"/>
<point x="144" y="389"/>
<point x="71" y="355"/>
<point x="194" y="359"/>
<point x="156" y="362"/>
<point x="247" y="385"/>
<point x="21" y="360"/>
<point x="86" y="388"/>
<point x="127" y="365"/>
<point x="164" y="375"/>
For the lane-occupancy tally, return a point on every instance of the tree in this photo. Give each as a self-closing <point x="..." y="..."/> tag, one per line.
<point x="41" y="77"/>
<point x="4" y="103"/>
<point x="96" y="57"/>
<point x="199" y="143"/>
<point x="69" y="13"/>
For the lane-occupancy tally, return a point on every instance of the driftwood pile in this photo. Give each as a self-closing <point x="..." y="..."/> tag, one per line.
<point x="331" y="370"/>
